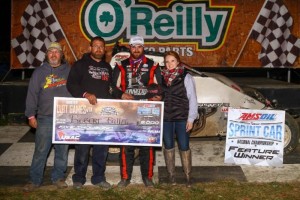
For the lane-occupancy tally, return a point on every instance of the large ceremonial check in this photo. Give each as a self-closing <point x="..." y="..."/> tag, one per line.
<point x="110" y="122"/>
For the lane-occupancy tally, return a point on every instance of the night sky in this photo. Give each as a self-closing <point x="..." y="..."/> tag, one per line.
<point x="5" y="15"/>
<point x="5" y="26"/>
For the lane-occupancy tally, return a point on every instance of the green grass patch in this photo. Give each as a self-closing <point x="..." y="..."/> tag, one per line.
<point x="221" y="190"/>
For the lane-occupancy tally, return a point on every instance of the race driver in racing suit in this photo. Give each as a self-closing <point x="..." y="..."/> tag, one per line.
<point x="130" y="80"/>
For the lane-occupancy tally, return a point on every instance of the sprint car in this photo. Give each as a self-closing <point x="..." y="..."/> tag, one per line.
<point x="215" y="94"/>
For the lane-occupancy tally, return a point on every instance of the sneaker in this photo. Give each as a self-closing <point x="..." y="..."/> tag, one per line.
<point x="77" y="185"/>
<point x="172" y="180"/>
<point x="188" y="183"/>
<point x="104" y="185"/>
<point x="123" y="183"/>
<point x="60" y="183"/>
<point x="148" y="182"/>
<point x="29" y="187"/>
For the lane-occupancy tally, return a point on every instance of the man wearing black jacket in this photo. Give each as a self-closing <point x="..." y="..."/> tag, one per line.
<point x="130" y="80"/>
<point x="90" y="78"/>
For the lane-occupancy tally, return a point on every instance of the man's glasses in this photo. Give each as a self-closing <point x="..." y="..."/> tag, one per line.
<point x="97" y="47"/>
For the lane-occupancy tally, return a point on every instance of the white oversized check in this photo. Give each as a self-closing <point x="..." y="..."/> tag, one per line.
<point x="110" y="122"/>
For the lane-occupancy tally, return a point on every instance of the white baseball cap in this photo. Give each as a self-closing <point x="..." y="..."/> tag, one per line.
<point x="136" y="40"/>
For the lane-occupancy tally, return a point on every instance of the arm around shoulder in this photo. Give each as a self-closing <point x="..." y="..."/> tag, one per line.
<point x="74" y="81"/>
<point x="116" y="82"/>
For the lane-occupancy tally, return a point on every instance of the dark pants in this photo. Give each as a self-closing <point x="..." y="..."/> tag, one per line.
<point x="81" y="159"/>
<point x="146" y="155"/>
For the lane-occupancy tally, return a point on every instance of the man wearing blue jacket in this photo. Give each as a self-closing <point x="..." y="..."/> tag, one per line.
<point x="47" y="81"/>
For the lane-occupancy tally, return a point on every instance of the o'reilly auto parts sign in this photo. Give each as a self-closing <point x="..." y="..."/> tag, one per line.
<point x="190" y="22"/>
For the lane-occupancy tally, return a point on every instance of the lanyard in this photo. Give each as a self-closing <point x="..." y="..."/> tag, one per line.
<point x="135" y="67"/>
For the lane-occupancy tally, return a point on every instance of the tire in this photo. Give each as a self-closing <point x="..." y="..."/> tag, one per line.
<point x="291" y="134"/>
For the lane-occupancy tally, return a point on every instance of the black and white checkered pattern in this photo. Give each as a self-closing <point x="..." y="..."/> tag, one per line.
<point x="40" y="28"/>
<point x="272" y="30"/>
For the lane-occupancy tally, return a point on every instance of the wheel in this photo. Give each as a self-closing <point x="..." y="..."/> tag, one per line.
<point x="291" y="134"/>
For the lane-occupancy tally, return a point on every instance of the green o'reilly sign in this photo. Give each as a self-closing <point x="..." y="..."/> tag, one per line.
<point x="190" y="22"/>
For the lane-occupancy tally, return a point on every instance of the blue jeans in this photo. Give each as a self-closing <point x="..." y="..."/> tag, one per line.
<point x="43" y="144"/>
<point x="81" y="160"/>
<point x="179" y="128"/>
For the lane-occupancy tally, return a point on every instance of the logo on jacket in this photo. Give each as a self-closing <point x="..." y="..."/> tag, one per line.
<point x="54" y="81"/>
<point x="99" y="73"/>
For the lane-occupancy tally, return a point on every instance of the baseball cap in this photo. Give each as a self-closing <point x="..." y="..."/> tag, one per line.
<point x="136" y="40"/>
<point x="54" y="45"/>
<point x="153" y="90"/>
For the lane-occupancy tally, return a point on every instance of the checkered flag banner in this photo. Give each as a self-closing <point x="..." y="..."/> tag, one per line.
<point x="272" y="30"/>
<point x="40" y="28"/>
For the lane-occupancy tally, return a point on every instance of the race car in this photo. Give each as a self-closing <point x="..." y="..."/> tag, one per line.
<point x="215" y="95"/>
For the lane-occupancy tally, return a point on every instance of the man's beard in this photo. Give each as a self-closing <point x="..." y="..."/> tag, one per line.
<point x="54" y="62"/>
<point x="97" y="55"/>
<point x="136" y="55"/>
